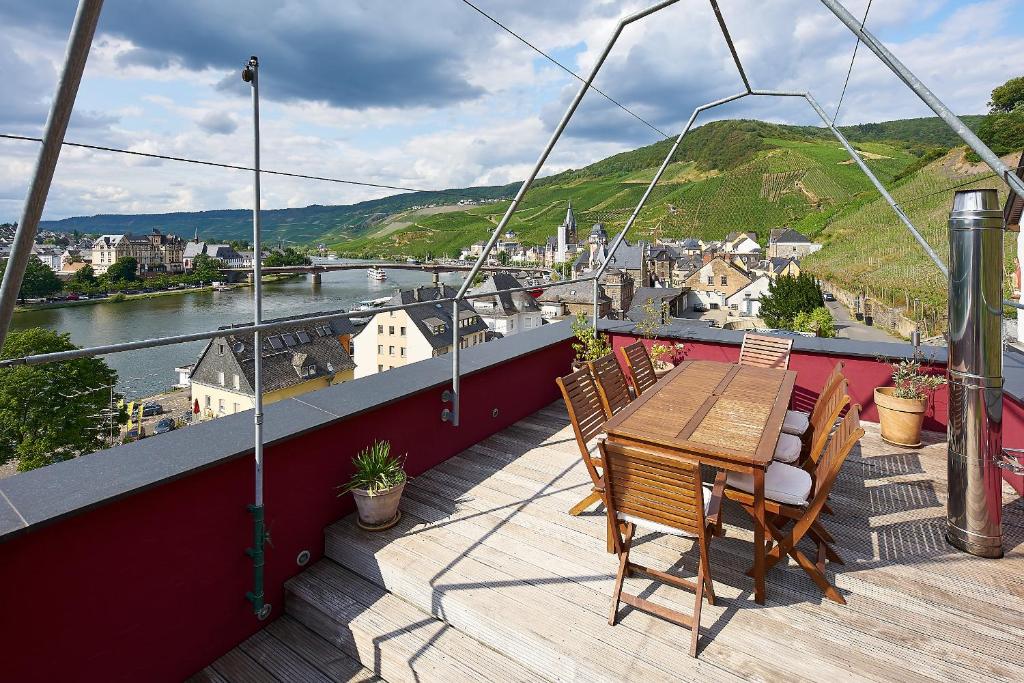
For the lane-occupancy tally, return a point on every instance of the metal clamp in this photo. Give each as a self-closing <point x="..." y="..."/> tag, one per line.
<point x="1011" y="463"/>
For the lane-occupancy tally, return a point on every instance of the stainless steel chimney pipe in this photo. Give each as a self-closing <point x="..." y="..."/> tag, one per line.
<point x="974" y="506"/>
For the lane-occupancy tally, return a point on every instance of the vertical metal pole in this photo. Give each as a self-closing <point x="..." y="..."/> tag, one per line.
<point x="79" y="41"/>
<point x="597" y="288"/>
<point x="975" y="502"/>
<point x="455" y="363"/>
<point x="260" y="608"/>
<point x="926" y="95"/>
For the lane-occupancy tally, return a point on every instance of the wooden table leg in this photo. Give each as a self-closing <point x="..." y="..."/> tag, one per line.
<point x="759" y="528"/>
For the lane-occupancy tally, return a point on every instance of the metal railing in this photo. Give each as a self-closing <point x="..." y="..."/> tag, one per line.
<point x="78" y="50"/>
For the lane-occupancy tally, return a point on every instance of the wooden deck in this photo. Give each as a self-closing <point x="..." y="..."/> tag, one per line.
<point x="486" y="548"/>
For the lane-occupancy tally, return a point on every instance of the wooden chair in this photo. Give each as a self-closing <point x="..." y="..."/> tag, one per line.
<point x="611" y="383"/>
<point x="665" y="495"/>
<point x="797" y="421"/>
<point x="588" y="415"/>
<point x="641" y="369"/>
<point x="823" y="418"/>
<point x="761" y="351"/>
<point x="791" y="496"/>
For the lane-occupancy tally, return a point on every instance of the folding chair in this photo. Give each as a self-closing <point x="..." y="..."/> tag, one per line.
<point x="588" y="415"/>
<point x="791" y="496"/>
<point x="665" y="495"/>
<point x="761" y="351"/>
<point x="611" y="383"/>
<point x="824" y="417"/>
<point x="641" y="369"/>
<point x="797" y="421"/>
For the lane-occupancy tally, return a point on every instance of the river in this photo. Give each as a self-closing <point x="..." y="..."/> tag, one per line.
<point x="150" y="371"/>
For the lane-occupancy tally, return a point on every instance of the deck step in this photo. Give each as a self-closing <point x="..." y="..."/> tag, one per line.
<point x="388" y="635"/>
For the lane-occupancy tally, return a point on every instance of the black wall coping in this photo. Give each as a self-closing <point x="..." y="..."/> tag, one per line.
<point x="30" y="499"/>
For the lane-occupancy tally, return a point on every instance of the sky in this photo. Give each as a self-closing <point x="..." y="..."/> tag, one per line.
<point x="430" y="94"/>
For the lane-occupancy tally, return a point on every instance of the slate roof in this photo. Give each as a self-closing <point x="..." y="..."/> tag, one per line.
<point x="663" y="252"/>
<point x="288" y="349"/>
<point x="509" y="303"/>
<point x="434" y="320"/>
<point x="787" y="236"/>
<point x="778" y="263"/>
<point x="627" y="256"/>
<point x="660" y="295"/>
<point x="574" y="293"/>
<point x="690" y="243"/>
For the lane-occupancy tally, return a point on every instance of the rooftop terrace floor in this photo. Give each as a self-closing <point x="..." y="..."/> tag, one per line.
<point x="486" y="545"/>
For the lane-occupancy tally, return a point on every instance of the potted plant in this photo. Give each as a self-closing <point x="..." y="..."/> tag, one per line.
<point x="377" y="485"/>
<point x="901" y="407"/>
<point x="665" y="357"/>
<point x="589" y="345"/>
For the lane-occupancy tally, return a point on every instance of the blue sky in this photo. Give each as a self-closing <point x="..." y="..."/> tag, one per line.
<point x="427" y="93"/>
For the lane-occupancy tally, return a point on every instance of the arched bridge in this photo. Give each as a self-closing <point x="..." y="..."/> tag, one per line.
<point x="316" y="269"/>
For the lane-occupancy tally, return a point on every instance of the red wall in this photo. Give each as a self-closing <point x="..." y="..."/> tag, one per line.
<point x="863" y="375"/>
<point x="151" y="587"/>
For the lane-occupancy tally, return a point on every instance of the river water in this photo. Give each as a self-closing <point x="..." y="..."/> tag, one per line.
<point x="150" y="371"/>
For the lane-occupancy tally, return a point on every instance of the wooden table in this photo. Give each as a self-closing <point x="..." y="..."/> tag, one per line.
<point x="720" y="414"/>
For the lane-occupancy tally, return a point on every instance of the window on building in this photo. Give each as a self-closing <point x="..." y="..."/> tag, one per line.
<point x="207" y="402"/>
<point x="711" y="279"/>
<point x="401" y="351"/>
<point x="391" y="329"/>
<point x="511" y="324"/>
<point x="234" y="407"/>
<point x="401" y="330"/>
<point x="220" y="378"/>
<point x="220" y="349"/>
<point x="235" y="382"/>
<point x="380" y="329"/>
<point x="220" y="405"/>
<point x="725" y="279"/>
<point x="380" y="368"/>
<point x="391" y="350"/>
<point x="380" y="348"/>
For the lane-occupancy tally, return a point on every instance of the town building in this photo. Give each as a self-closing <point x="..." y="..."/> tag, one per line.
<point x="662" y="261"/>
<point x="48" y="255"/>
<point x="155" y="253"/>
<point x="715" y="282"/>
<point x="224" y="253"/>
<point x="566" y="239"/>
<point x="629" y="257"/>
<point x="396" y="338"/>
<point x="788" y="243"/>
<point x="295" y="358"/>
<point x="670" y="301"/>
<point x="506" y="313"/>
<point x="747" y="301"/>
<point x="563" y="301"/>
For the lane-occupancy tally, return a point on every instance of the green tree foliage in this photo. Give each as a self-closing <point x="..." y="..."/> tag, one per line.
<point x="1009" y="96"/>
<point x="39" y="280"/>
<point x="54" y="412"/>
<point x="205" y="268"/>
<point x="1003" y="128"/>
<point x="83" y="280"/>
<point x="288" y="256"/>
<point x="789" y="296"/>
<point x="818" y="322"/>
<point x="123" y="270"/>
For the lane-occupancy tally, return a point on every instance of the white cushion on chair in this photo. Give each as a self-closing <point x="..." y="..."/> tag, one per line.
<point x="662" y="528"/>
<point x="796" y="422"/>
<point x="788" y="448"/>
<point x="782" y="483"/>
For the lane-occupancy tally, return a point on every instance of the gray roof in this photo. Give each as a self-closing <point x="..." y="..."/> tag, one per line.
<point x="663" y="251"/>
<point x="509" y="303"/>
<point x="787" y="236"/>
<point x="193" y="249"/>
<point x="287" y="350"/>
<point x="690" y="243"/>
<point x="434" y="320"/>
<point x="627" y="256"/>
<point x="659" y="295"/>
<point x="574" y="293"/>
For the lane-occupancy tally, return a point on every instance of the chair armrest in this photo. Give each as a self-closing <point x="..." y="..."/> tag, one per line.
<point x="715" y="505"/>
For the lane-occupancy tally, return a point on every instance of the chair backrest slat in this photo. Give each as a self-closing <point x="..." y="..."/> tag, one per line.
<point x="641" y="369"/>
<point x="831" y="383"/>
<point x="586" y="412"/>
<point x="761" y="351"/>
<point x="843" y="440"/>
<point x="652" y="487"/>
<point x="826" y="411"/>
<point x="611" y="383"/>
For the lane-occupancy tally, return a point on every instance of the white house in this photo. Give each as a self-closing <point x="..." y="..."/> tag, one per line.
<point x="506" y="313"/>
<point x="747" y="301"/>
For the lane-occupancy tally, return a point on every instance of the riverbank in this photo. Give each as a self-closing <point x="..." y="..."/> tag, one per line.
<point x="120" y="297"/>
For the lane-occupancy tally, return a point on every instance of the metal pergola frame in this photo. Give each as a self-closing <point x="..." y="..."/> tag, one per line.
<point x="79" y="44"/>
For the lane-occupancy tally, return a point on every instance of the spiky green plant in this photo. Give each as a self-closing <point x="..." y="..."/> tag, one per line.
<point x="376" y="470"/>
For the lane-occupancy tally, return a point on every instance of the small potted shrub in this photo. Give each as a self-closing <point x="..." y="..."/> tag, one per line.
<point x="665" y="357"/>
<point x="589" y="345"/>
<point x="901" y="407"/>
<point x="377" y="485"/>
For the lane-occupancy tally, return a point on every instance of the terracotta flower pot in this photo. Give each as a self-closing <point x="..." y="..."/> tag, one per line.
<point x="379" y="511"/>
<point x="901" y="419"/>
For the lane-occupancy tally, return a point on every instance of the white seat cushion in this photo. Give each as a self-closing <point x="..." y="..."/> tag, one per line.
<point x="787" y="450"/>
<point x="662" y="528"/>
<point x="782" y="483"/>
<point x="796" y="422"/>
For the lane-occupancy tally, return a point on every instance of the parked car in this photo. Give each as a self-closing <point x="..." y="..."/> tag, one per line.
<point x="150" y="409"/>
<point x="165" y="425"/>
<point x="700" y="308"/>
<point x="829" y="296"/>
<point x="134" y="434"/>
<point x="72" y="297"/>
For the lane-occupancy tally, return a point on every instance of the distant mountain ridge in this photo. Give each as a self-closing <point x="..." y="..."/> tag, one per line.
<point x="720" y="149"/>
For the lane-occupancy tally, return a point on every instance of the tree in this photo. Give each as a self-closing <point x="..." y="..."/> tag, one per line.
<point x="123" y="270"/>
<point x="1008" y="97"/>
<point x="1002" y="129"/>
<point x="819" y="322"/>
<point x="787" y="297"/>
<point x="83" y="279"/>
<point x="39" y="279"/>
<point x="205" y="268"/>
<point x="287" y="257"/>
<point x="53" y="412"/>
